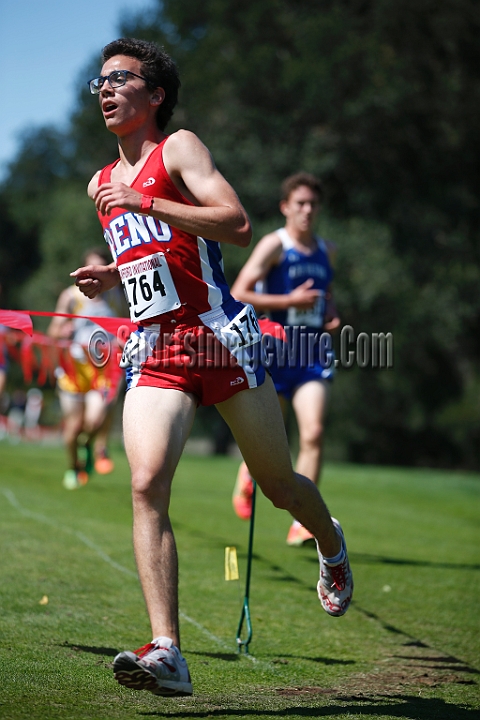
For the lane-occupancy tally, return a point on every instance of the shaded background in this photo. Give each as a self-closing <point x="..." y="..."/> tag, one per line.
<point x="381" y="99"/>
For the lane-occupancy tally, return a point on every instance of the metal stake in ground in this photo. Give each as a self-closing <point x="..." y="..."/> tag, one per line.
<point x="245" y="614"/>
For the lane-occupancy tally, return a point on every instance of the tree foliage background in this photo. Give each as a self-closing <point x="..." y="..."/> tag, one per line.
<point x="381" y="99"/>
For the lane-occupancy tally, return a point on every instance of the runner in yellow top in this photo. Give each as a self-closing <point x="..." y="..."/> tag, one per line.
<point x="87" y="393"/>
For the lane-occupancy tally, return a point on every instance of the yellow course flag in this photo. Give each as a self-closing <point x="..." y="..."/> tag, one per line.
<point x="231" y="565"/>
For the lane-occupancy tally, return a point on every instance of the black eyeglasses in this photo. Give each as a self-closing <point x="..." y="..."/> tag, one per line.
<point x="116" y="79"/>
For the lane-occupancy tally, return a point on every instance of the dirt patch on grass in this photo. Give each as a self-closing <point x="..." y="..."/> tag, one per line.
<point x="414" y="666"/>
<point x="389" y="682"/>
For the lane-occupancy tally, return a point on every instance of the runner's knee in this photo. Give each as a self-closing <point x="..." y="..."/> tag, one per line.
<point x="93" y="426"/>
<point x="312" y="436"/>
<point x="72" y="429"/>
<point x="150" y="487"/>
<point x="280" y="493"/>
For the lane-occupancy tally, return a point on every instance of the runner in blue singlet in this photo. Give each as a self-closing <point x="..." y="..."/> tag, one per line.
<point x="288" y="276"/>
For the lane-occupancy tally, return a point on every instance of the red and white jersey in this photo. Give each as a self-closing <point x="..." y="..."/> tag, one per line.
<point x="167" y="273"/>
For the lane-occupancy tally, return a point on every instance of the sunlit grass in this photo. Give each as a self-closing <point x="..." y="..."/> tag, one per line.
<point x="408" y="647"/>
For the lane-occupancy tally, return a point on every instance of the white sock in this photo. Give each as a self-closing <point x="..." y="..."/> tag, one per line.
<point x="337" y="559"/>
<point x="163" y="641"/>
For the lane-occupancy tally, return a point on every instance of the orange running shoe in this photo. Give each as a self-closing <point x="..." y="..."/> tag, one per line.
<point x="74" y="479"/>
<point x="82" y="477"/>
<point x="298" y="535"/>
<point x="242" y="493"/>
<point x="103" y="464"/>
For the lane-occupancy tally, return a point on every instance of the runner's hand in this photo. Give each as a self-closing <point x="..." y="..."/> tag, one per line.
<point x="111" y="195"/>
<point x="303" y="297"/>
<point x="95" y="279"/>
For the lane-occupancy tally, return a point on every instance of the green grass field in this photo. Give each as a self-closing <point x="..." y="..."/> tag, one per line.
<point x="409" y="647"/>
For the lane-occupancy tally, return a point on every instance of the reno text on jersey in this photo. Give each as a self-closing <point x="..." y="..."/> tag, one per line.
<point x="130" y="229"/>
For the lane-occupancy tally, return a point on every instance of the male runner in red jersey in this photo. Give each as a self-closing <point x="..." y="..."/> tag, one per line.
<point x="165" y="208"/>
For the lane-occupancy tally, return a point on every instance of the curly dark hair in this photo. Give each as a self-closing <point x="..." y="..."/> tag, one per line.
<point x="157" y="66"/>
<point x="301" y="179"/>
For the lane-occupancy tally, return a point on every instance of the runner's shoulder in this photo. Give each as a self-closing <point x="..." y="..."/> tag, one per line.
<point x="270" y="245"/>
<point x="184" y="146"/>
<point x="93" y="185"/>
<point x="66" y="299"/>
<point x="182" y="137"/>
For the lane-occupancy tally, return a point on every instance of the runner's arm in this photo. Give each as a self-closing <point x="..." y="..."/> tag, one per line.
<point x="216" y="213"/>
<point x="266" y="255"/>
<point x="61" y="328"/>
<point x="95" y="279"/>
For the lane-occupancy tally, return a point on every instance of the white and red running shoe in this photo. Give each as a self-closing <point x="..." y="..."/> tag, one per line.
<point x="335" y="587"/>
<point x="158" y="667"/>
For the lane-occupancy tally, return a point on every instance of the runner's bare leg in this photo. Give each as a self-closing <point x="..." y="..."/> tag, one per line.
<point x="73" y="412"/>
<point x="309" y="403"/>
<point x="256" y="421"/>
<point x="156" y="425"/>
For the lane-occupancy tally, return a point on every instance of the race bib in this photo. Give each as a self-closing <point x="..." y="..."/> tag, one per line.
<point x="313" y="317"/>
<point x="149" y="287"/>
<point x="242" y="331"/>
